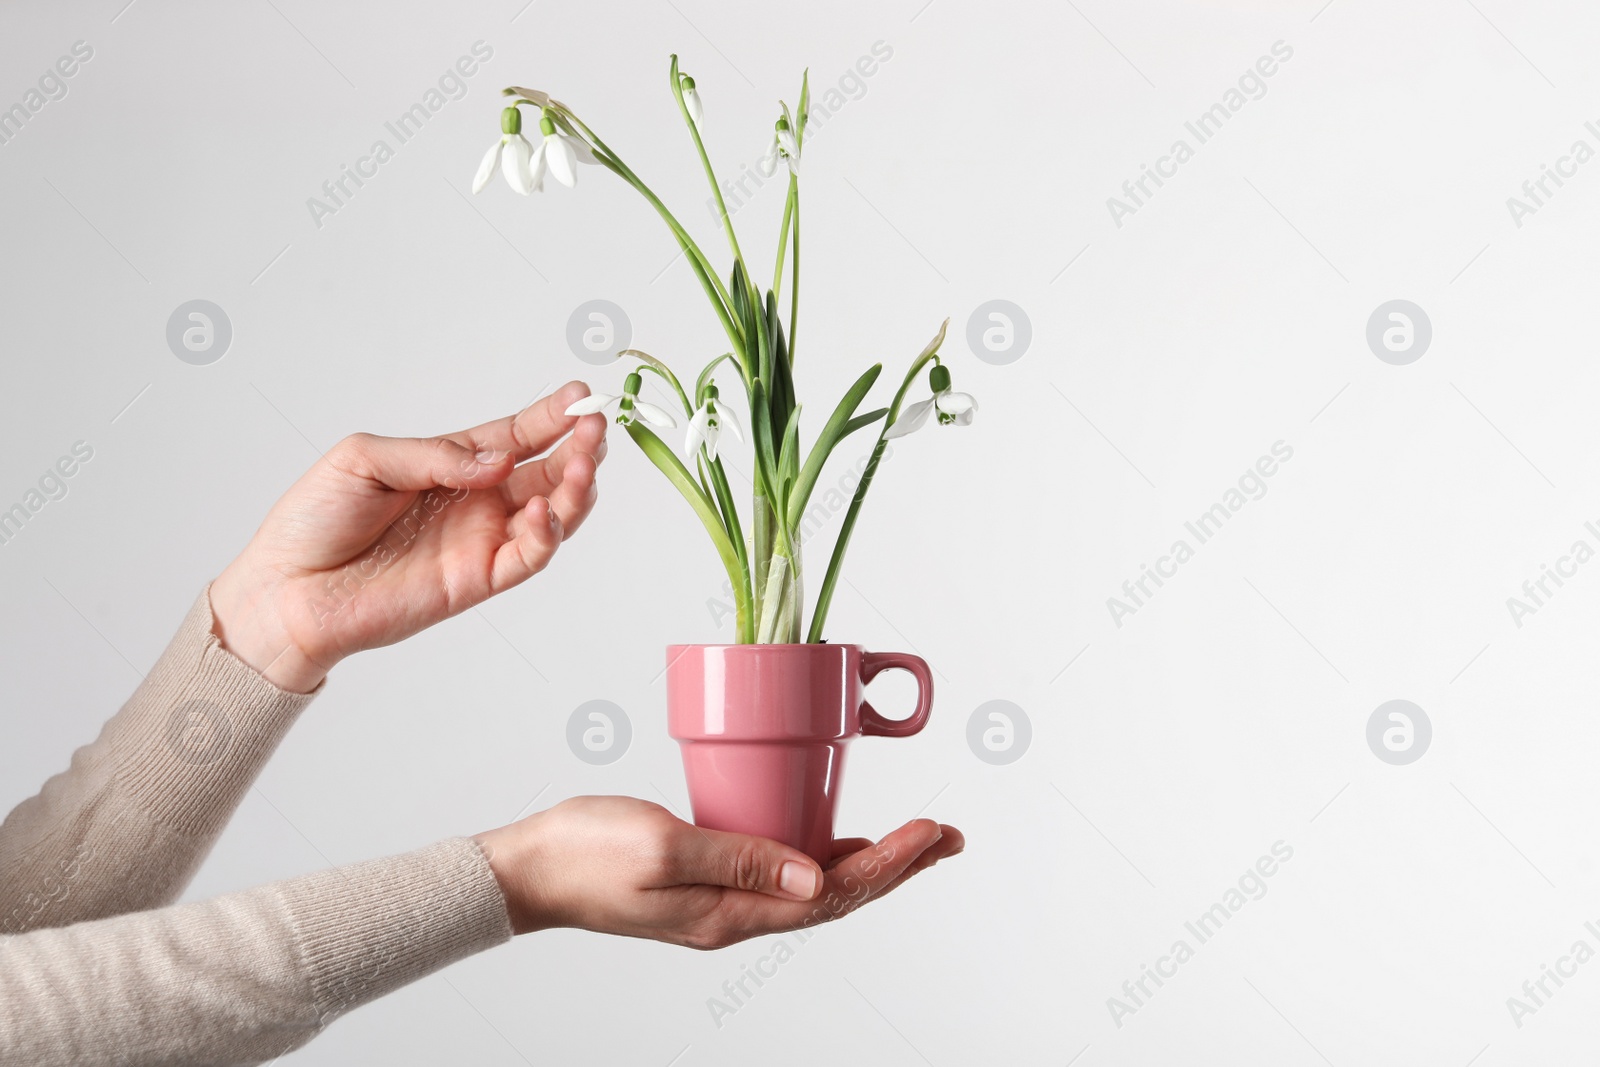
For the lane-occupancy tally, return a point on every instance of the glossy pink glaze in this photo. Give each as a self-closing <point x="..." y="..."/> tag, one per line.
<point x="763" y="729"/>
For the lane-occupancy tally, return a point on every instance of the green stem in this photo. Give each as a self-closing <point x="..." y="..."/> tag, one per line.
<point x="819" y="615"/>
<point x="800" y="122"/>
<point x="627" y="174"/>
<point x="761" y="541"/>
<point x="794" y="275"/>
<point x="796" y="592"/>
<point x="705" y="160"/>
<point x="716" y="292"/>
<point x="652" y="363"/>
<point x="776" y="604"/>
<point x="783" y="239"/>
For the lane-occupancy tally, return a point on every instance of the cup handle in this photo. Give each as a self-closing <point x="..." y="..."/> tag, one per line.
<point x="875" y="663"/>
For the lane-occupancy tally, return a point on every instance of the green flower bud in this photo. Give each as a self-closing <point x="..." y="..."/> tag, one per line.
<point x="511" y="120"/>
<point x="781" y="125"/>
<point x="939" y="378"/>
<point x="632" y="384"/>
<point x="546" y="127"/>
<point x="688" y="83"/>
<point x="711" y="391"/>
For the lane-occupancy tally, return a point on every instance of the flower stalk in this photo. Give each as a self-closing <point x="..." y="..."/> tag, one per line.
<point x="764" y="566"/>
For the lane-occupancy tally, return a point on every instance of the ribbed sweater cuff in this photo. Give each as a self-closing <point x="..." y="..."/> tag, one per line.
<point x="199" y="729"/>
<point x="368" y="929"/>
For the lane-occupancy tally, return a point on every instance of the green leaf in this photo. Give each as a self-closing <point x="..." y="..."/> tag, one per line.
<point x="862" y="421"/>
<point x="730" y="511"/>
<point x="667" y="461"/>
<point x="739" y="292"/>
<point x="789" y="459"/>
<point x="831" y="435"/>
<point x="766" y="460"/>
<point x="747" y="313"/>
<point x="764" y="348"/>
<point x="780" y="380"/>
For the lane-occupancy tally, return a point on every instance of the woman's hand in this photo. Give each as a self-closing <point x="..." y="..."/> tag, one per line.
<point x="386" y="536"/>
<point x="617" y="865"/>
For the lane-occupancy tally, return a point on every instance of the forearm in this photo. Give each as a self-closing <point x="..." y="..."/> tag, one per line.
<point x="247" y="977"/>
<point x="126" y="825"/>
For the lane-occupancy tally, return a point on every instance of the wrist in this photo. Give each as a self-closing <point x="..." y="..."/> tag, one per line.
<point x="509" y="853"/>
<point x="246" y="621"/>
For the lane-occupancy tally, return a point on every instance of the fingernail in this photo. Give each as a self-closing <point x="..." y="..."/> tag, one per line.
<point x="489" y="457"/>
<point x="798" y="880"/>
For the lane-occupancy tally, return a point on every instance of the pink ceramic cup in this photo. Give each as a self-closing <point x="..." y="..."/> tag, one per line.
<point x="763" y="729"/>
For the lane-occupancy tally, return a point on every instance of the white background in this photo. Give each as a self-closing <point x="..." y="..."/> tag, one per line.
<point x="1227" y="314"/>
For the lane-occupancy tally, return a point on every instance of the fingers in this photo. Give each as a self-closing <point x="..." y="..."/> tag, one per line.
<point x="870" y="872"/>
<point x="851" y="881"/>
<point x="536" y="533"/>
<point x="541" y="476"/>
<point x="532" y="430"/>
<point x="949" y="844"/>
<point x="486" y="455"/>
<point x="575" y="495"/>
<point x="847" y="846"/>
<point x="538" y="529"/>
<point x="753" y="864"/>
<point x="418" y="463"/>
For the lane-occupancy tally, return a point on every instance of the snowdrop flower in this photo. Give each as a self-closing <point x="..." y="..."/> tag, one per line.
<point x="952" y="408"/>
<point x="559" y="154"/>
<point x="708" y="423"/>
<point x="628" y="405"/>
<point x="784" y="147"/>
<point x="512" y="152"/>
<point x="691" y="100"/>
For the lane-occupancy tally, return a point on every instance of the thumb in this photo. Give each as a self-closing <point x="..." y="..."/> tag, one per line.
<point x="754" y="864"/>
<point x="417" y="463"/>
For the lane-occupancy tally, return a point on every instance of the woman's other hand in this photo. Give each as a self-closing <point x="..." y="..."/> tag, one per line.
<point x="617" y="865"/>
<point x="386" y="536"/>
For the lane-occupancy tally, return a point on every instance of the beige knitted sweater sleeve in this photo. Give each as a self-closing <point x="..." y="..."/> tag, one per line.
<point x="239" y="979"/>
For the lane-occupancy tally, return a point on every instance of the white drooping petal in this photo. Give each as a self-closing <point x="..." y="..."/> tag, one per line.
<point x="955" y="403"/>
<point x="965" y="418"/>
<point x="592" y="403"/>
<point x="769" y="162"/>
<point x="537" y="167"/>
<point x="486" y="168"/>
<point x="697" y="110"/>
<point x="514" y="162"/>
<point x="788" y="143"/>
<point x="726" y="420"/>
<point x="653" y="415"/>
<point x="910" y="419"/>
<point x="713" y="438"/>
<point x="562" y="160"/>
<point x="698" y="425"/>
